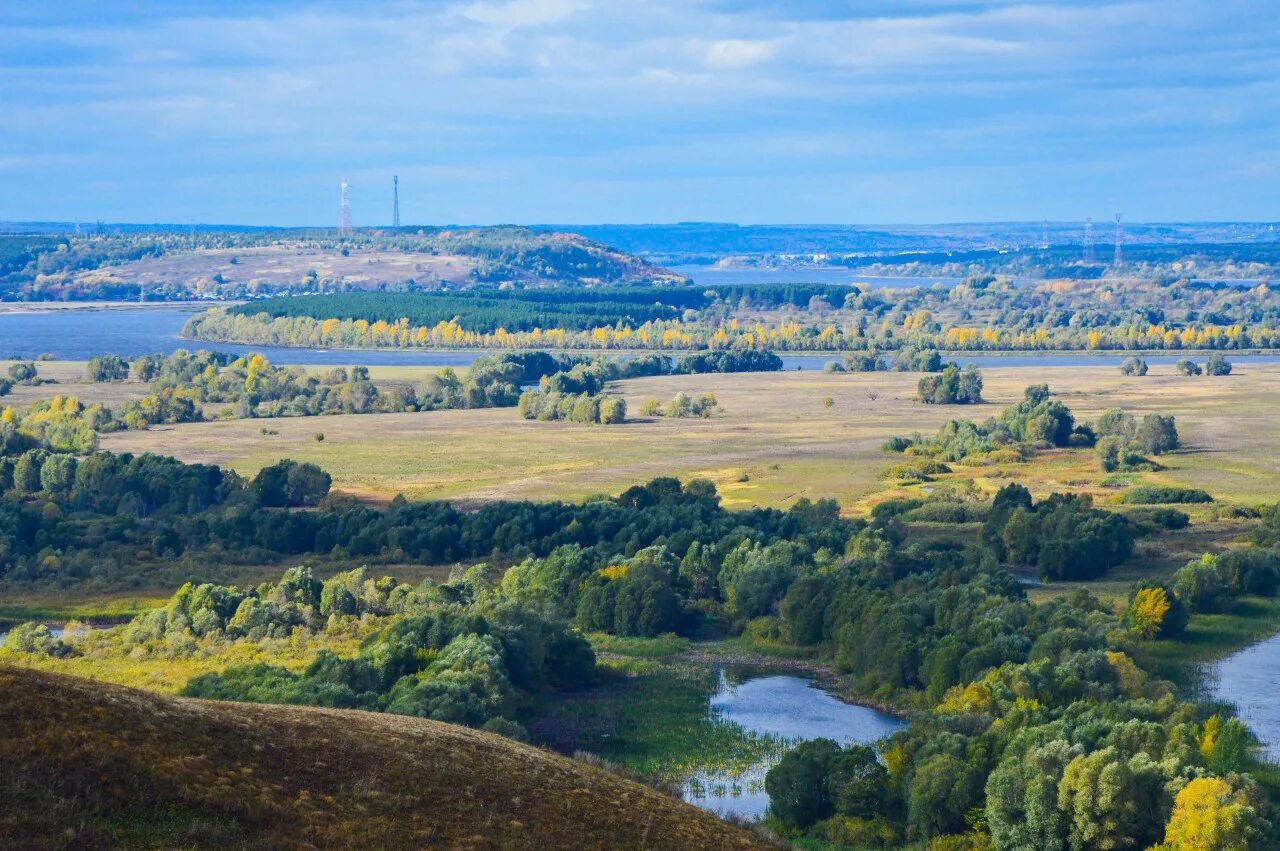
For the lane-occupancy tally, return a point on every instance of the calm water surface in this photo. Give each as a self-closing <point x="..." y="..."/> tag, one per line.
<point x="789" y="709"/>
<point x="709" y="276"/>
<point x="1250" y="679"/>
<point x="131" y="332"/>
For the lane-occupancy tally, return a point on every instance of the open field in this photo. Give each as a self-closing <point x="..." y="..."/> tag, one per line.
<point x="285" y="264"/>
<point x="773" y="443"/>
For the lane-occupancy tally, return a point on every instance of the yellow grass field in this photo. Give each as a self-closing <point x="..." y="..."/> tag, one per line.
<point x="773" y="443"/>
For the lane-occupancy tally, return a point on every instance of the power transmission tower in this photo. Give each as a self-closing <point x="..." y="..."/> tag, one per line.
<point x="395" y="194"/>
<point x="1088" y="240"/>
<point x="1115" y="261"/>
<point x="344" y="212"/>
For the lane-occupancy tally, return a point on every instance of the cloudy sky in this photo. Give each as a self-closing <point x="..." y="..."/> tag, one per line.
<point x="581" y="111"/>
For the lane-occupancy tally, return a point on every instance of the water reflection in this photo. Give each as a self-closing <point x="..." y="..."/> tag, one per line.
<point x="785" y="709"/>
<point x="1249" y="680"/>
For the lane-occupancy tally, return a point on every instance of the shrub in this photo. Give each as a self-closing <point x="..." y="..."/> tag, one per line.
<point x="1160" y="518"/>
<point x="916" y="471"/>
<point x="953" y="386"/>
<point x="1163" y="495"/>
<point x="1217" y="365"/>
<point x="1156" y="435"/>
<point x="1134" y="366"/>
<point x="1187" y="367"/>
<point x="107" y="368"/>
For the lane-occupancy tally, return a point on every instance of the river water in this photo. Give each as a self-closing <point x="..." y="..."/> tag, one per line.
<point x="1250" y="679"/>
<point x="131" y="332"/>
<point x="789" y="709"/>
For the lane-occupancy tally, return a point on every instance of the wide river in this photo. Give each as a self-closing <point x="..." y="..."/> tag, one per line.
<point x="80" y="334"/>
<point x="788" y="709"/>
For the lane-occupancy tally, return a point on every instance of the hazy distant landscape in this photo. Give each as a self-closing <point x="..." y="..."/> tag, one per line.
<point x="532" y="424"/>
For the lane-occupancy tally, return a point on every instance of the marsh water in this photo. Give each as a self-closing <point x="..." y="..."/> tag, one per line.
<point x="79" y="334"/>
<point x="1249" y="679"/>
<point x="786" y="708"/>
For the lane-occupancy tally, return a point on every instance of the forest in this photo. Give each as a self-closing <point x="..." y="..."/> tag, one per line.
<point x="1020" y="712"/>
<point x="983" y="313"/>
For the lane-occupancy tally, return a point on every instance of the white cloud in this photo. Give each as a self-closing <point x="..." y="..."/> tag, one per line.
<point x="729" y="54"/>
<point x="515" y="14"/>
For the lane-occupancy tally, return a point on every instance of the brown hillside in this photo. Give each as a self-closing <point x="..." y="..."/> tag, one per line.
<point x="86" y="764"/>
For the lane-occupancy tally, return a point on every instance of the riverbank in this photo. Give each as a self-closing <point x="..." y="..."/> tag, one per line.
<point x="707" y="718"/>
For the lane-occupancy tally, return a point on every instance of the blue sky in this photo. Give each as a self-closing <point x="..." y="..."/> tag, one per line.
<point x="609" y="111"/>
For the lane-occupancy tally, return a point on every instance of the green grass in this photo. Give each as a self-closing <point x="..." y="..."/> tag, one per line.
<point x="54" y="606"/>
<point x="662" y="647"/>
<point x="773" y="443"/>
<point x="655" y="722"/>
<point x="1211" y="637"/>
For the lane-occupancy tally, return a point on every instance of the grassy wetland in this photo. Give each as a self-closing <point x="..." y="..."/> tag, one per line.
<point x="610" y="591"/>
<point x="772" y="441"/>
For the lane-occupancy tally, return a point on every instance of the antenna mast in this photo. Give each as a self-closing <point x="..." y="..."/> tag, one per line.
<point x="1115" y="261"/>
<point x="344" y="212"/>
<point x="395" y="194"/>
<point x="1088" y="240"/>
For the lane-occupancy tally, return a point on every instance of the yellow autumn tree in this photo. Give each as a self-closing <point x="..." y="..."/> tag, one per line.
<point x="1214" y="814"/>
<point x="1147" y="611"/>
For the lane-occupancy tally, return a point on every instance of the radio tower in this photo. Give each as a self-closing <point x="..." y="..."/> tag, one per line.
<point x="344" y="212"/>
<point x="1088" y="240"/>
<point x="1044" y="234"/>
<point x="395" y="194"/>
<point x="1115" y="261"/>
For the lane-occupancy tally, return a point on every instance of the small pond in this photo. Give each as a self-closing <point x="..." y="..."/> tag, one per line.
<point x="1250" y="679"/>
<point x="788" y="708"/>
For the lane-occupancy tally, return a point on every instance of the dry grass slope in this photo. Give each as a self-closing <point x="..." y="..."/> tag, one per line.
<point x="85" y="764"/>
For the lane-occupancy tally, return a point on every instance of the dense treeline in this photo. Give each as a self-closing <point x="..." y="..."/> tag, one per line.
<point x="981" y="314"/>
<point x="482" y="310"/>
<point x="54" y="529"/>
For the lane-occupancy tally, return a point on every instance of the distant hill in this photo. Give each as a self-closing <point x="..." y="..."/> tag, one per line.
<point x="84" y="764"/>
<point x="236" y="264"/>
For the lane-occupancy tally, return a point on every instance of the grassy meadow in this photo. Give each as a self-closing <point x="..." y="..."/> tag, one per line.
<point x="773" y="442"/>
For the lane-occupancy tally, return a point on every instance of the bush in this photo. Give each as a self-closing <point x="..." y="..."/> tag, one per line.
<point x="1217" y="365"/>
<point x="1163" y="495"/>
<point x="107" y="368"/>
<point x="1134" y="366"/>
<point x="1160" y="518"/>
<point x="948" y="512"/>
<point x="1157" y="435"/>
<point x="22" y="373"/>
<point x="953" y="386"/>
<point x="916" y="471"/>
<point x="1187" y="367"/>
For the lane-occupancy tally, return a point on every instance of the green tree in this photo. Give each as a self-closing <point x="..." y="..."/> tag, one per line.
<point x="1112" y="802"/>
<point x="1156" y="435"/>
<point x="1217" y="365"/>
<point x="1134" y="366"/>
<point x="799" y="785"/>
<point x="1022" y="798"/>
<point x="107" y="368"/>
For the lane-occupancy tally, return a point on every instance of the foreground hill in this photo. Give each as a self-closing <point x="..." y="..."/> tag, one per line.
<point x="85" y="764"/>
